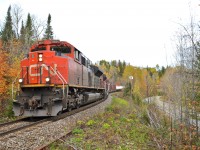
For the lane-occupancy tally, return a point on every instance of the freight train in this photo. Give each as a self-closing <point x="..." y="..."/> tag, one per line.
<point x="55" y="77"/>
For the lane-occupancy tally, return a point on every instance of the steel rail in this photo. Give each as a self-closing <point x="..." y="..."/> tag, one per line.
<point x="23" y="127"/>
<point x="12" y="122"/>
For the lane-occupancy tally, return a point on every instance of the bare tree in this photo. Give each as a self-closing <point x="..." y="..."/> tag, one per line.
<point x="17" y="18"/>
<point x="38" y="28"/>
<point x="187" y="48"/>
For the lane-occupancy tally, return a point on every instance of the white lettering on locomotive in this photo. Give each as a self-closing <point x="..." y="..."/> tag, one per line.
<point x="43" y="66"/>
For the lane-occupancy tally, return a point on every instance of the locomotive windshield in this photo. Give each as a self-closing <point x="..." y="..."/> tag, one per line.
<point x="63" y="49"/>
<point x="39" y="49"/>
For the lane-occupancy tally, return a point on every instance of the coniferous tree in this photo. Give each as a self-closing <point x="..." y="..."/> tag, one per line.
<point x="120" y="67"/>
<point x="114" y="63"/>
<point x="123" y="65"/>
<point x="22" y="33"/>
<point x="7" y="32"/>
<point x="49" y="31"/>
<point x="29" y="30"/>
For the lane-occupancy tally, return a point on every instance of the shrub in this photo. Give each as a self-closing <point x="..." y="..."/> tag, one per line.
<point x="90" y="123"/>
<point x="106" y="126"/>
<point x="77" y="131"/>
<point x="9" y="109"/>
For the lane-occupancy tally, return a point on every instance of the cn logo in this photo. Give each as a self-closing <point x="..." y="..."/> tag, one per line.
<point x="43" y="66"/>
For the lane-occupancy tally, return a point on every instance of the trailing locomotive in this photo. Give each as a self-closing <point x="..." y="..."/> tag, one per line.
<point x="55" y="76"/>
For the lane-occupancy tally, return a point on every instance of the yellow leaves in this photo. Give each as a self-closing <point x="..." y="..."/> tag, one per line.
<point x="141" y="80"/>
<point x="128" y="71"/>
<point x="14" y="70"/>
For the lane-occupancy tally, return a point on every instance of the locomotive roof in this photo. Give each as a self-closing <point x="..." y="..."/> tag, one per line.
<point x="40" y="45"/>
<point x="49" y="42"/>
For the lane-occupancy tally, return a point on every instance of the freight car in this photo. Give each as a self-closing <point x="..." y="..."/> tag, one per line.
<point x="55" y="76"/>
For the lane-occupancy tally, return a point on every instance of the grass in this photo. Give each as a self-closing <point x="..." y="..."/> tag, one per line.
<point x="119" y="127"/>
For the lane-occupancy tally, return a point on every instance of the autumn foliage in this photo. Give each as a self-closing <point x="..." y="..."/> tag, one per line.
<point x="3" y="73"/>
<point x="15" y="40"/>
<point x="8" y="72"/>
<point x="144" y="83"/>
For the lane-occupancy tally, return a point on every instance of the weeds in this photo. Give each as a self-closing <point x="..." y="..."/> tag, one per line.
<point x="118" y="128"/>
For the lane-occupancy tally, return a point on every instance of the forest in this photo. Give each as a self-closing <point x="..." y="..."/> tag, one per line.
<point x="178" y="84"/>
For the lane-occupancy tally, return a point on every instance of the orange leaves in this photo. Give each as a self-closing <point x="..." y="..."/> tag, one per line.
<point x="14" y="70"/>
<point x="7" y="71"/>
<point x="3" y="72"/>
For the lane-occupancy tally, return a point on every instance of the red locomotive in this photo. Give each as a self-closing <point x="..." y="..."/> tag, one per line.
<point x="55" y="77"/>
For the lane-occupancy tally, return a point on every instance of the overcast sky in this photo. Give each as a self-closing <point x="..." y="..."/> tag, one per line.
<point x="137" y="31"/>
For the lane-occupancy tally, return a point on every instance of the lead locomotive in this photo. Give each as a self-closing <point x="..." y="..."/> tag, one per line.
<point x="55" y="76"/>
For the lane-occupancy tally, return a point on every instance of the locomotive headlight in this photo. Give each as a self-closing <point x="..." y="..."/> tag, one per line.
<point x="20" y="80"/>
<point x="47" y="79"/>
<point x="40" y="57"/>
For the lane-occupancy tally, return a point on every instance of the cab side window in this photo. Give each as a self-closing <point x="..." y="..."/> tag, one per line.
<point x="83" y="60"/>
<point x="77" y="54"/>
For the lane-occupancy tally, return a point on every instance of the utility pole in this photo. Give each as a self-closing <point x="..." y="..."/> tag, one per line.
<point x="131" y="80"/>
<point x="147" y="88"/>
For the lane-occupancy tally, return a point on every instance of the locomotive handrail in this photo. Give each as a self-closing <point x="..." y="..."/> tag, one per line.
<point x="61" y="78"/>
<point x="63" y="84"/>
<point x="24" y="75"/>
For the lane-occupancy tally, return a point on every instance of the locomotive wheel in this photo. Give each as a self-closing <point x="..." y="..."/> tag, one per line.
<point x="69" y="109"/>
<point x="77" y="105"/>
<point x="59" y="113"/>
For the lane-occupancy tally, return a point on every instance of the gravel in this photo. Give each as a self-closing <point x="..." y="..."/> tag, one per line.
<point x="39" y="135"/>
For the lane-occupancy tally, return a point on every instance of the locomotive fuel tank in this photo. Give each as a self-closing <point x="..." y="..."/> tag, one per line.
<point x="90" y="97"/>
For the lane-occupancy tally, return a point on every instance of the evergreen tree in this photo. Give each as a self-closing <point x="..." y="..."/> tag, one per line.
<point x="114" y="63"/>
<point x="7" y="32"/>
<point x="120" y="68"/>
<point x="123" y="65"/>
<point x="49" y="31"/>
<point x="29" y="30"/>
<point x="22" y="33"/>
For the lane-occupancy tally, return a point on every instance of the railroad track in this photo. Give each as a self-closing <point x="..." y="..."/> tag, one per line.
<point x="24" y="123"/>
<point x="17" y="125"/>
